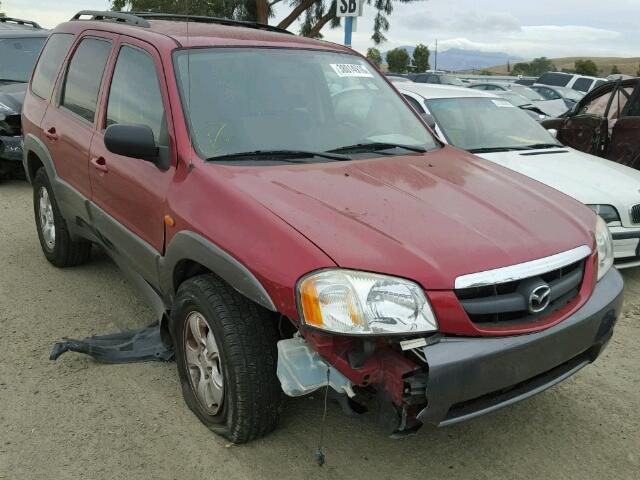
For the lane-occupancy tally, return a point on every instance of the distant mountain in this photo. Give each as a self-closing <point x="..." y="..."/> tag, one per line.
<point x="457" y="59"/>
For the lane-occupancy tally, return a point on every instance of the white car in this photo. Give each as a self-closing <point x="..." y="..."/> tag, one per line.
<point x="492" y="128"/>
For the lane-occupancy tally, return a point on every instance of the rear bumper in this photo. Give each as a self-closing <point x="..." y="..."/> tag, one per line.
<point x="469" y="377"/>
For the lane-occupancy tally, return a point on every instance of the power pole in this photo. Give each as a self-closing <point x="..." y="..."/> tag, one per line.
<point x="435" y="63"/>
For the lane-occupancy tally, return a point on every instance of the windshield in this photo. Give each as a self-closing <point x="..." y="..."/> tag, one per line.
<point x="513" y="97"/>
<point x="451" y="80"/>
<point x="249" y="99"/>
<point x="527" y="93"/>
<point x="485" y="123"/>
<point x="570" y="93"/>
<point x="17" y="57"/>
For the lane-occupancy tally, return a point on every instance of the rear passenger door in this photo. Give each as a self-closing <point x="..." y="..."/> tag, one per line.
<point x="130" y="193"/>
<point x="68" y="124"/>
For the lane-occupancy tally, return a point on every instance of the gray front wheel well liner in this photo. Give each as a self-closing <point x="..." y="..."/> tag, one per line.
<point x="193" y="248"/>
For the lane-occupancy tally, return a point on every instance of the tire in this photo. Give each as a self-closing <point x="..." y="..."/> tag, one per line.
<point x="239" y="397"/>
<point x="58" y="247"/>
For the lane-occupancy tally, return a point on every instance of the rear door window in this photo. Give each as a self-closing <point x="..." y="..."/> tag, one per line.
<point x="52" y="56"/>
<point x="582" y="84"/>
<point x="84" y="76"/>
<point x="134" y="97"/>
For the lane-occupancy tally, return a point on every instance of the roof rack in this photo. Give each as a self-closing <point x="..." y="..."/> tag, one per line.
<point x="19" y="21"/>
<point x="139" y="19"/>
<point x="116" y="17"/>
<point x="203" y="19"/>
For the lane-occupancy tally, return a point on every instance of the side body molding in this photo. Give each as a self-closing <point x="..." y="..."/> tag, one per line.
<point x="187" y="245"/>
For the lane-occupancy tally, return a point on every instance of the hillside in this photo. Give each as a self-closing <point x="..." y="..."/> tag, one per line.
<point x="457" y="59"/>
<point x="627" y="66"/>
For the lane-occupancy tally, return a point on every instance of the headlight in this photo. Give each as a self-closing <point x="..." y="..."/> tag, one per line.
<point x="607" y="212"/>
<point x="604" y="243"/>
<point x="360" y="303"/>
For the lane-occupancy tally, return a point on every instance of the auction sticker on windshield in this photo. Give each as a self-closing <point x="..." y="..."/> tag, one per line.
<point x="351" y="70"/>
<point x="502" y="103"/>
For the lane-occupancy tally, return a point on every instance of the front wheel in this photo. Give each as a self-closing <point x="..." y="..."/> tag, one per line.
<point x="226" y="356"/>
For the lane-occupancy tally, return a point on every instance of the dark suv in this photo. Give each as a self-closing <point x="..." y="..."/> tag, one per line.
<point x="296" y="225"/>
<point x="20" y="44"/>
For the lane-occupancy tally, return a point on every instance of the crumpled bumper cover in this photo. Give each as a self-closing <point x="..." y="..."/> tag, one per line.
<point x="11" y="148"/>
<point x="469" y="377"/>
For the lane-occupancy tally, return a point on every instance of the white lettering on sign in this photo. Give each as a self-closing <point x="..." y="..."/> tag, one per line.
<point x="351" y="70"/>
<point x="349" y="8"/>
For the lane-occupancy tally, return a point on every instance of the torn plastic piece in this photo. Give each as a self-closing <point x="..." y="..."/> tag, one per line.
<point x="301" y="370"/>
<point x="142" y="345"/>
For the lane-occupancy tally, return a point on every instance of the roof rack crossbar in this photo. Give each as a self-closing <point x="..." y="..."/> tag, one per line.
<point x="117" y="17"/>
<point x="204" y="19"/>
<point x="19" y="21"/>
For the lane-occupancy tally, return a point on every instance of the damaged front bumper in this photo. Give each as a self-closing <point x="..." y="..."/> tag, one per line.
<point x="469" y="377"/>
<point x="459" y="378"/>
<point x="11" y="148"/>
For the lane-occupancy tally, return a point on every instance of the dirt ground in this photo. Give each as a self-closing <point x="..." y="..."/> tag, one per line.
<point x="76" y="418"/>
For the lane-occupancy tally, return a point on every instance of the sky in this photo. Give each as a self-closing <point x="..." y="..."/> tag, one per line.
<point x="528" y="29"/>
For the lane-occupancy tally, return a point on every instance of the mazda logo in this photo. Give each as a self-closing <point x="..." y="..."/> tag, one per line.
<point x="539" y="298"/>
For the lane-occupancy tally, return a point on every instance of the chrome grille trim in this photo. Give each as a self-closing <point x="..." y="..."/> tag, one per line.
<point x="523" y="270"/>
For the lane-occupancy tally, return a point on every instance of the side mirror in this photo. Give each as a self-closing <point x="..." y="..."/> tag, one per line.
<point x="428" y="118"/>
<point x="553" y="132"/>
<point x="135" y="141"/>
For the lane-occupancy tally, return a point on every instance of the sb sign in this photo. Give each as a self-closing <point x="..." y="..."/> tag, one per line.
<point x="349" y="8"/>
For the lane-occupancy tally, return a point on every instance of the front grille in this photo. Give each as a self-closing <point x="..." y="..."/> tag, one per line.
<point x="635" y="213"/>
<point x="507" y="304"/>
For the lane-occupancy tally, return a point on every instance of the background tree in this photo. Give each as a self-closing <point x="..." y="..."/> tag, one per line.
<point x="615" y="70"/>
<point x="398" y="60"/>
<point x="421" y="58"/>
<point x="373" y="54"/>
<point x="485" y="73"/>
<point x="1" y="13"/>
<point x="638" y="71"/>
<point x="314" y="15"/>
<point x="534" y="68"/>
<point x="586" y="67"/>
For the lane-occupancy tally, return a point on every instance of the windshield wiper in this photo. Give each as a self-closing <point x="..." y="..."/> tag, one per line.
<point x="541" y="146"/>
<point x="283" y="155"/>
<point x="496" y="149"/>
<point x="12" y="80"/>
<point x="373" y="146"/>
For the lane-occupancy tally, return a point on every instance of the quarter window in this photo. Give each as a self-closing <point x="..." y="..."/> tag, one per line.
<point x="84" y="77"/>
<point x="52" y="56"/>
<point x="134" y="97"/>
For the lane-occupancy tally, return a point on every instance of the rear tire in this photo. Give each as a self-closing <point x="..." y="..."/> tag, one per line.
<point x="56" y="243"/>
<point x="226" y="355"/>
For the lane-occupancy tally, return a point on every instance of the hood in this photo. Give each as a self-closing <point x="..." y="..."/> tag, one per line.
<point x="429" y="217"/>
<point x="553" y="108"/>
<point x="588" y="179"/>
<point x="12" y="96"/>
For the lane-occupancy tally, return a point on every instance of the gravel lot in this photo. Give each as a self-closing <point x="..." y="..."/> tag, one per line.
<point x="76" y="418"/>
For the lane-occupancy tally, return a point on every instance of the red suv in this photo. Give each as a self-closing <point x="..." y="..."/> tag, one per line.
<point x="295" y="224"/>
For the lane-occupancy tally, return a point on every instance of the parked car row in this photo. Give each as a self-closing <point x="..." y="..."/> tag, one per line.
<point x="20" y="44"/>
<point x="295" y="225"/>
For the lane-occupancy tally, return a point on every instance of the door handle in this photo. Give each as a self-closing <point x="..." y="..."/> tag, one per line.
<point x="100" y="164"/>
<point x="51" y="134"/>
